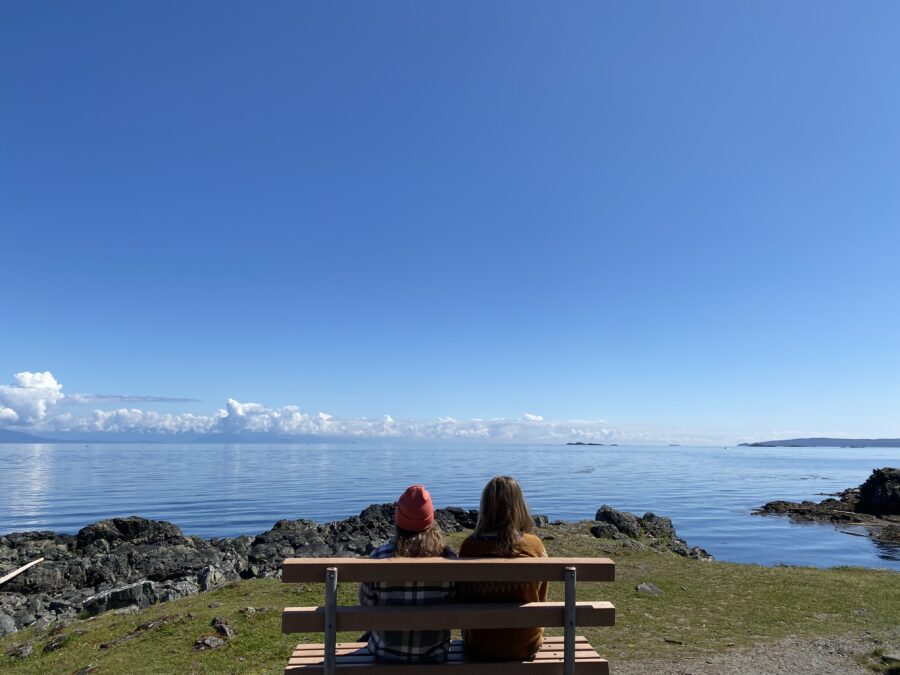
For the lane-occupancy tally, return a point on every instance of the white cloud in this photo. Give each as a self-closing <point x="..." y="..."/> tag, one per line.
<point x="123" y="398"/>
<point x="135" y="420"/>
<point x="238" y="417"/>
<point x="29" y="399"/>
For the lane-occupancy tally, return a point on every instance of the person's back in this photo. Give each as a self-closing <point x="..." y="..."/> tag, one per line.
<point x="417" y="536"/>
<point x="503" y="531"/>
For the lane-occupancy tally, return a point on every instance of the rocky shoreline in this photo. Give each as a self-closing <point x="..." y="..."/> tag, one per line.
<point x="127" y="563"/>
<point x="874" y="505"/>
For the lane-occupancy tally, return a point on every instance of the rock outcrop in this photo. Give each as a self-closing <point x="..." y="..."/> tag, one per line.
<point x="874" y="505"/>
<point x="135" y="562"/>
<point x="650" y="530"/>
<point x="880" y="494"/>
<point x="126" y="564"/>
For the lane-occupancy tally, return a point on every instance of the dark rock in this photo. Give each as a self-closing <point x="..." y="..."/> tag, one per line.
<point x="454" y="519"/>
<point x="40" y="625"/>
<point x="633" y="545"/>
<point x="636" y="533"/>
<point x="697" y="553"/>
<point x="657" y="526"/>
<point x="540" y="521"/>
<point x="24" y="618"/>
<point x="605" y="531"/>
<point x="880" y="494"/>
<point x="177" y="589"/>
<point x="134" y="530"/>
<point x="210" y="577"/>
<point x="626" y="523"/>
<point x="59" y="606"/>
<point x="680" y="547"/>
<point x="141" y="594"/>
<point x="648" y="589"/>
<point x="22" y="651"/>
<point x="209" y="642"/>
<point x="7" y="625"/>
<point x="222" y="628"/>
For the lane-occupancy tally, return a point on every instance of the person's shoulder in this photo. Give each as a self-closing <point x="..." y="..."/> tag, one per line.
<point x="532" y="545"/>
<point x="384" y="551"/>
<point x="473" y="546"/>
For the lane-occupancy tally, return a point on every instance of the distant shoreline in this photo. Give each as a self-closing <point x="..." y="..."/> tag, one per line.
<point x="827" y="443"/>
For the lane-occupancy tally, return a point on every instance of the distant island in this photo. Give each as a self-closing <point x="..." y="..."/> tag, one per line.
<point x="828" y="443"/>
<point x="10" y="436"/>
<point x="583" y="443"/>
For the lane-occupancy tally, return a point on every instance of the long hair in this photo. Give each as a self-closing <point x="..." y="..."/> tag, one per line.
<point x="504" y="512"/>
<point x="428" y="543"/>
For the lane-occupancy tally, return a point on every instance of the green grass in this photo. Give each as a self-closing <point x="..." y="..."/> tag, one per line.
<point x="707" y="607"/>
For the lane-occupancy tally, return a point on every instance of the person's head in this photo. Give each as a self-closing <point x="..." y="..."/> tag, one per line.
<point x="503" y="512"/>
<point x="417" y="534"/>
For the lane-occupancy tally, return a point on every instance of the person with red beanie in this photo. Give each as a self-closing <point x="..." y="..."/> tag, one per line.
<point x="417" y="536"/>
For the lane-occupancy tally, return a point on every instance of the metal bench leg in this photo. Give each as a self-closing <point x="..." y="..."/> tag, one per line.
<point x="569" y="635"/>
<point x="331" y="581"/>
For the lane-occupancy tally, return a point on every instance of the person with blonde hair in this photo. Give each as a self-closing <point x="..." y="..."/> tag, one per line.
<point x="417" y="536"/>
<point x="504" y="530"/>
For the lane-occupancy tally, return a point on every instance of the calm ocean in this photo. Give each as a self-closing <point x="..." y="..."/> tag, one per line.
<point x="225" y="490"/>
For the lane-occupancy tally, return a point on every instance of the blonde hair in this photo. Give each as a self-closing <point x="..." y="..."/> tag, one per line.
<point x="428" y="543"/>
<point x="504" y="512"/>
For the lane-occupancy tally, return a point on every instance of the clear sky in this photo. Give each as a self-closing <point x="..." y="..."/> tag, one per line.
<point x="670" y="220"/>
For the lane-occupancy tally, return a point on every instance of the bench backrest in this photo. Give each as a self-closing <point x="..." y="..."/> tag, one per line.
<point x="312" y="570"/>
<point x="435" y="617"/>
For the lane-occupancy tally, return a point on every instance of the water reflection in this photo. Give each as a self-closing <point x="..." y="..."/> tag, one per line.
<point x="28" y="480"/>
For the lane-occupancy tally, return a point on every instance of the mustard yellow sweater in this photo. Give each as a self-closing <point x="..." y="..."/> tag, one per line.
<point x="504" y="643"/>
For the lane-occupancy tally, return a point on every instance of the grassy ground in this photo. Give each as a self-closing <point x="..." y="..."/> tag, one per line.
<point x="706" y="607"/>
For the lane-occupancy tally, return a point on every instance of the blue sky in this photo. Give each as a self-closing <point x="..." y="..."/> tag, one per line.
<point x="674" y="220"/>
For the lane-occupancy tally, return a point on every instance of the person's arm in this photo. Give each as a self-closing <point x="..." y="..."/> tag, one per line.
<point x="367" y="595"/>
<point x="545" y="585"/>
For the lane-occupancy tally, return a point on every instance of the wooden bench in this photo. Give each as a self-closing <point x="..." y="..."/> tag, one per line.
<point x="558" y="654"/>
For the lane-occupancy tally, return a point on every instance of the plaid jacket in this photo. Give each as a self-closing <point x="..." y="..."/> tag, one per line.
<point x="407" y="646"/>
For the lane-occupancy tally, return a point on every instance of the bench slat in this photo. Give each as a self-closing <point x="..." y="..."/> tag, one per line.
<point x="312" y="570"/>
<point x="549" y="660"/>
<point x="361" y="653"/>
<point x="437" y="617"/>
<point x="456" y="646"/>
<point x="548" y="640"/>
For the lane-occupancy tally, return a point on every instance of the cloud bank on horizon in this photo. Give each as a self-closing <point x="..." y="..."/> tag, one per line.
<point x="31" y="403"/>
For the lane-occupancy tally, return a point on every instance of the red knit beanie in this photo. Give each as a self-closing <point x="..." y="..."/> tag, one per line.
<point x="414" y="510"/>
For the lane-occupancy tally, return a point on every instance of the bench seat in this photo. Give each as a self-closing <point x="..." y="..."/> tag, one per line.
<point x="310" y="658"/>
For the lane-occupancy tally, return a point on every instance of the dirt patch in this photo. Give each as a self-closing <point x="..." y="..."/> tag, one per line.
<point x="849" y="655"/>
